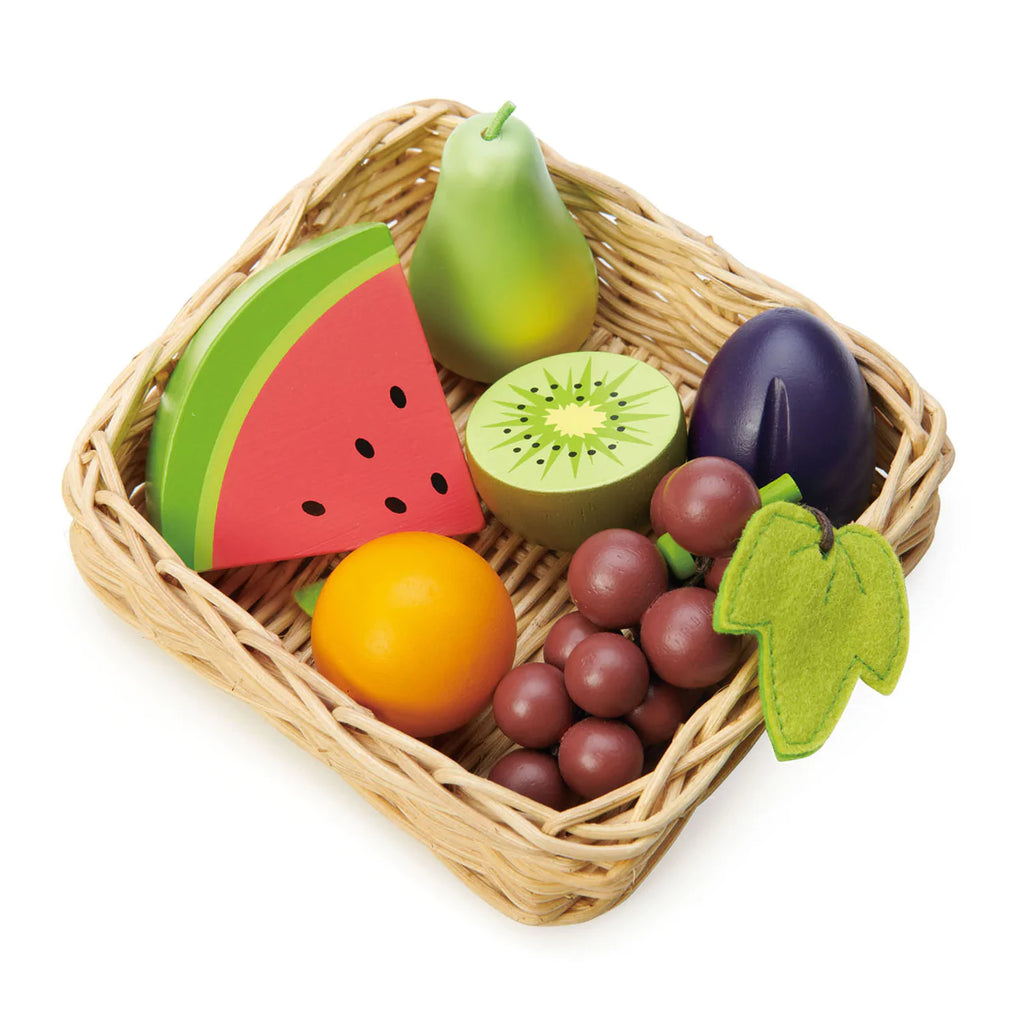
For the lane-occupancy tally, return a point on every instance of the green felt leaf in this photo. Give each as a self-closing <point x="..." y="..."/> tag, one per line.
<point x="822" y="620"/>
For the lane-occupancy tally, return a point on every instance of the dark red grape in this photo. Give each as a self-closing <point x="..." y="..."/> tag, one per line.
<point x="533" y="774"/>
<point x="531" y="705"/>
<point x="657" y="505"/>
<point x="713" y="577"/>
<point x="564" y="635"/>
<point x="615" y="575"/>
<point x="695" y="697"/>
<point x="652" y="755"/>
<point x="680" y="642"/>
<point x="707" y="503"/>
<point x="656" y="719"/>
<point x="597" y="756"/>
<point x="607" y="675"/>
<point x="647" y="719"/>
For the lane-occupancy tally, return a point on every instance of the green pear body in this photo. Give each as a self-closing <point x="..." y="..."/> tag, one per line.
<point x="501" y="274"/>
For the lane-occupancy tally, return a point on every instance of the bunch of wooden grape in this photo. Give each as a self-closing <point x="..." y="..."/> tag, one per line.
<point x="604" y="702"/>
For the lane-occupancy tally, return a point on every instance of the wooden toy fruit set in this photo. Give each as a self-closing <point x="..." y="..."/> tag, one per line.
<point x="291" y="413"/>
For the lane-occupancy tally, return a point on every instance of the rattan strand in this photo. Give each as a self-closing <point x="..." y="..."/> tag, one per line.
<point x="667" y="295"/>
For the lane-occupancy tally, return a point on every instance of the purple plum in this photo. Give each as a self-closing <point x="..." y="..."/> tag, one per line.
<point x="784" y="395"/>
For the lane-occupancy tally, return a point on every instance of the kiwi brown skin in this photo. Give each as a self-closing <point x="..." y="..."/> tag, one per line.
<point x="628" y="504"/>
<point x="562" y="515"/>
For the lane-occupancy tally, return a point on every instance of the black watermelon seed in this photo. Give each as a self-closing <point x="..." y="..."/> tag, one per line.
<point x="438" y="482"/>
<point x="622" y="403"/>
<point x="620" y="429"/>
<point x="398" y="397"/>
<point x="536" y="444"/>
<point x="364" y="448"/>
<point x="590" y="451"/>
<point x="395" y="505"/>
<point x="313" y="508"/>
<point x="572" y="455"/>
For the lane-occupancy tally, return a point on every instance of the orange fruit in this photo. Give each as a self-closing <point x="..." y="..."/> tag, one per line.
<point x="418" y="628"/>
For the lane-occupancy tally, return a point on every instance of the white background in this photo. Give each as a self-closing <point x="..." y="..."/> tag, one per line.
<point x="168" y="856"/>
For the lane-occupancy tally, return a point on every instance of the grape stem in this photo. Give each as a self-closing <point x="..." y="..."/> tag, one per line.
<point x="782" y="488"/>
<point x="683" y="565"/>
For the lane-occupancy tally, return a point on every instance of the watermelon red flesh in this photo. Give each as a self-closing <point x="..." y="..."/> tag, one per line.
<point x="359" y="380"/>
<point x="226" y="363"/>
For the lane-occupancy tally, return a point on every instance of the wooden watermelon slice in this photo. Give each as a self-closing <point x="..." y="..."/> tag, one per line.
<point x="306" y="417"/>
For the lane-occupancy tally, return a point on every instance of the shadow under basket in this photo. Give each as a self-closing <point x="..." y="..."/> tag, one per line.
<point x="668" y="295"/>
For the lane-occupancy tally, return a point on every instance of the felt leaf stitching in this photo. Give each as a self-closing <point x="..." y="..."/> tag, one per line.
<point x="822" y="619"/>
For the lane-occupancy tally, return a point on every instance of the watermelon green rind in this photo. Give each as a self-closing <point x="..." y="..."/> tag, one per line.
<point x="204" y="394"/>
<point x="251" y="387"/>
<point x="198" y="353"/>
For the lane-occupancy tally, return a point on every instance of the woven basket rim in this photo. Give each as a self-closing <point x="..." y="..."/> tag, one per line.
<point x="135" y="571"/>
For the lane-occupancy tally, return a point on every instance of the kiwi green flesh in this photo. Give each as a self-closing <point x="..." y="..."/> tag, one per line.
<point x="573" y="444"/>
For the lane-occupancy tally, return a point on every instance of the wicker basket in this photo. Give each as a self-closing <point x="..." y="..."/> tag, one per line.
<point x="669" y="296"/>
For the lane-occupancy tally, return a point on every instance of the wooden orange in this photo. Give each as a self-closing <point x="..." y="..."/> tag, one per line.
<point x="418" y="628"/>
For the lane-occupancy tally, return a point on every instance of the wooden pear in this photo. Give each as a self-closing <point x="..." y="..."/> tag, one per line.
<point x="501" y="274"/>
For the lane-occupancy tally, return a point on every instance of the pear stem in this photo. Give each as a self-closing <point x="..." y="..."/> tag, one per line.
<point x="493" y="130"/>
